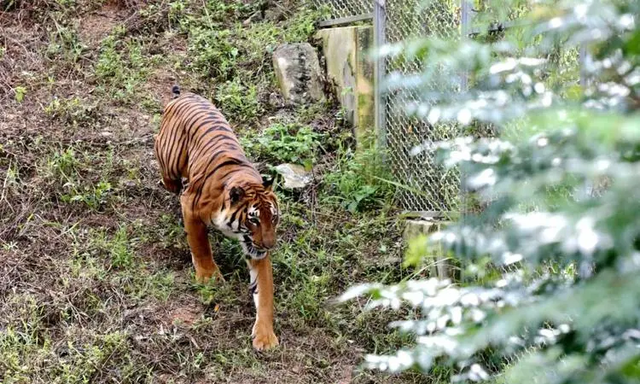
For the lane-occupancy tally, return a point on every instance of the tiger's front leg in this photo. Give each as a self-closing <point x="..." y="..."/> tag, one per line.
<point x="261" y="288"/>
<point x="197" y="237"/>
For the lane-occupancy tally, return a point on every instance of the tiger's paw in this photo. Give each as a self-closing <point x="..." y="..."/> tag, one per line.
<point x="203" y="277"/>
<point x="264" y="338"/>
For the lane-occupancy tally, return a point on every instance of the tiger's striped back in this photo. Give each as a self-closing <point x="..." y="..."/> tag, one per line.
<point x="195" y="142"/>
<point x="224" y="189"/>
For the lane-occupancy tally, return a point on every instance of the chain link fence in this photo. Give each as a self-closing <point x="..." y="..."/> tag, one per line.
<point x="407" y="19"/>
<point x="429" y="187"/>
<point x="342" y="9"/>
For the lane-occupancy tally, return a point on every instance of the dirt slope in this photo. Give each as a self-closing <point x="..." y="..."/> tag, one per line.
<point x="96" y="284"/>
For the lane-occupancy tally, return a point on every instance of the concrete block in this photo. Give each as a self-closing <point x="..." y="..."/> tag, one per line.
<point x="348" y="67"/>
<point x="441" y="266"/>
<point x="298" y="73"/>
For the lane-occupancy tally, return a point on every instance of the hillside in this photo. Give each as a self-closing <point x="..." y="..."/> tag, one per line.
<point x="96" y="282"/>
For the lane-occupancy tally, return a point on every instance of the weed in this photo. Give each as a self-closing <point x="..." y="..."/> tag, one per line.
<point x="83" y="360"/>
<point x="170" y="232"/>
<point x="63" y="165"/>
<point x="65" y="43"/>
<point x="303" y="24"/>
<point x="285" y="143"/>
<point x="213" y="52"/>
<point x="214" y="292"/>
<point x="121" y="254"/>
<point x="358" y="182"/>
<point x="20" y="92"/>
<point x="93" y="196"/>
<point x="71" y="111"/>
<point x="121" y="66"/>
<point x="238" y="101"/>
<point x="66" y="3"/>
<point x="63" y="168"/>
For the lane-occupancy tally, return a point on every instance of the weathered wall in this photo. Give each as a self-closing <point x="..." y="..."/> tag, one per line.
<point x="345" y="50"/>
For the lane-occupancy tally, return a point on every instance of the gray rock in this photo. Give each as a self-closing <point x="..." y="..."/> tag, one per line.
<point x="298" y="73"/>
<point x="274" y="15"/>
<point x="275" y="100"/>
<point x="295" y="176"/>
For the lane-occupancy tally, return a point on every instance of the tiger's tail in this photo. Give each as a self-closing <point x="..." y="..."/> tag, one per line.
<point x="176" y="91"/>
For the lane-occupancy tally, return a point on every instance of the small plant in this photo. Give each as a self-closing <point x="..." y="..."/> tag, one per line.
<point x="303" y="25"/>
<point x="171" y="232"/>
<point x="121" y="253"/>
<point x="72" y="110"/>
<point x="93" y="196"/>
<point x="214" y="54"/>
<point x="63" y="164"/>
<point x="239" y="102"/>
<point x="20" y="92"/>
<point x="66" y="3"/>
<point x="65" y="43"/>
<point x="121" y="66"/>
<point x="358" y="183"/>
<point x="285" y="143"/>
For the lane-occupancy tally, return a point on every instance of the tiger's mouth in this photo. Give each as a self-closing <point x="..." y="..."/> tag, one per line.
<point x="252" y="251"/>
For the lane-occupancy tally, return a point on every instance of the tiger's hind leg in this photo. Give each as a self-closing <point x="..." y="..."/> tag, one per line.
<point x="197" y="237"/>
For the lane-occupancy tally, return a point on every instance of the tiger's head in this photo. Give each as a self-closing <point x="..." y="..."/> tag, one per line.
<point x="254" y="217"/>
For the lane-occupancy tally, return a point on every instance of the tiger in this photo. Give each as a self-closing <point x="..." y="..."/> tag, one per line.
<point x="201" y="160"/>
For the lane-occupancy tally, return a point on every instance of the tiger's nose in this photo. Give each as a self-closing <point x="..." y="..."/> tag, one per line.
<point x="268" y="243"/>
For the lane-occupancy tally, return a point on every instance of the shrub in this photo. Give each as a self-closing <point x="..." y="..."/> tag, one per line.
<point x="285" y="143"/>
<point x="359" y="182"/>
<point x="551" y="264"/>
<point x="238" y="102"/>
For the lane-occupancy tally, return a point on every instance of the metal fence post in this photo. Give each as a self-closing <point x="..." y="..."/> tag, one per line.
<point x="465" y="28"/>
<point x="379" y="38"/>
<point x="583" y="56"/>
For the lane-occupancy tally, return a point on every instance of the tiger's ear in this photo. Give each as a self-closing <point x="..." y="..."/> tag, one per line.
<point x="236" y="194"/>
<point x="267" y="184"/>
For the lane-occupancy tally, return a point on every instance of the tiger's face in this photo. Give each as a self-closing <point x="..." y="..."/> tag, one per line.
<point x="257" y="215"/>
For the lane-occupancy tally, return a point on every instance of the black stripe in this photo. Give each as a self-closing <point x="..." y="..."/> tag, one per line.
<point x="182" y="105"/>
<point x="179" y="156"/>
<point x="244" y="165"/>
<point x="202" y="135"/>
<point x="211" y="159"/>
<point x="217" y="140"/>
<point x="233" y="215"/>
<point x="176" y="126"/>
<point x="192" y="115"/>
<point x="226" y="163"/>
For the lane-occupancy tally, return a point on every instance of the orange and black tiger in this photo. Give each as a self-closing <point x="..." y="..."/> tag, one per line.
<point x="224" y="190"/>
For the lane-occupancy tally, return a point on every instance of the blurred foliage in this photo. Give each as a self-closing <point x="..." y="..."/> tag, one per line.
<point x="550" y="293"/>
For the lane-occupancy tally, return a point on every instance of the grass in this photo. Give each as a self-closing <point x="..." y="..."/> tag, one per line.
<point x="96" y="283"/>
